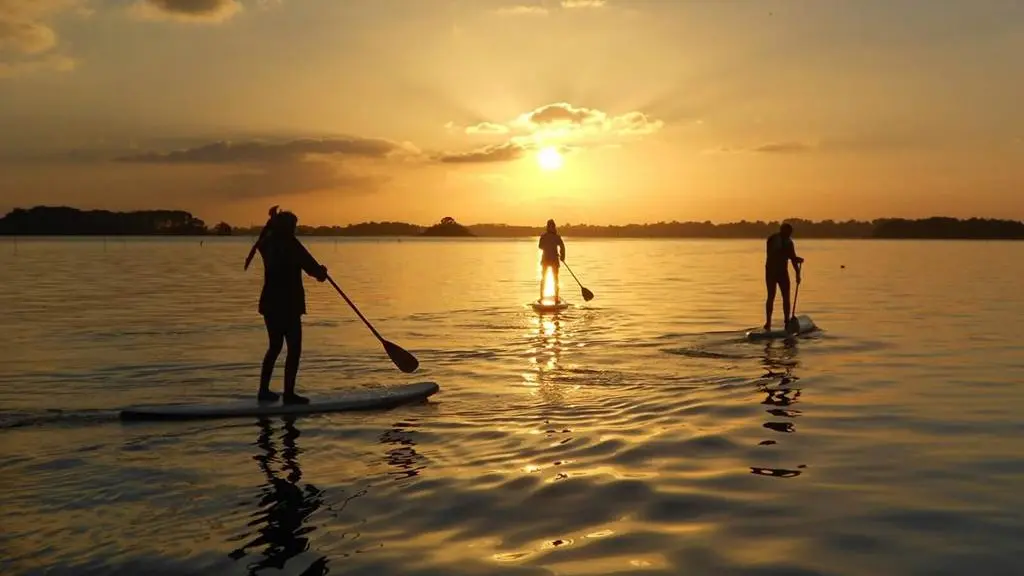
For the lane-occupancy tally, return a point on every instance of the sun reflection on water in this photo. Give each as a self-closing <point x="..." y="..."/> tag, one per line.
<point x="549" y="287"/>
<point x="544" y="357"/>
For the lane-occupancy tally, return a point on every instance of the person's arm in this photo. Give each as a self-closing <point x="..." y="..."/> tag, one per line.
<point x="561" y="246"/>
<point x="309" y="264"/>
<point x="796" y="260"/>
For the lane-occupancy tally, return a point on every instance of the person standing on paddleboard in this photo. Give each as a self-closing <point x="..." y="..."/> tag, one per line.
<point x="552" y="250"/>
<point x="780" y="252"/>
<point x="283" y="300"/>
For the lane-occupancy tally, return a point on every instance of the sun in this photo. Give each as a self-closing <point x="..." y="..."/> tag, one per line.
<point x="549" y="158"/>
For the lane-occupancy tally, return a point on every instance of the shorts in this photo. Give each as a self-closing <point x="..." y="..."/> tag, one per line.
<point x="774" y="278"/>
<point x="282" y="325"/>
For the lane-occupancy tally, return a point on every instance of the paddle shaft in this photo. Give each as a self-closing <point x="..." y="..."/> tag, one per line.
<point x="360" y="314"/>
<point x="796" y="294"/>
<point x="573" y="275"/>
<point x="405" y="361"/>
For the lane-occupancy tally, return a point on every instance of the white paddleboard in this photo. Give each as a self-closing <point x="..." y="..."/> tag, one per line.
<point x="363" y="399"/>
<point x="767" y="334"/>
<point x="803" y="325"/>
<point x="549" y="306"/>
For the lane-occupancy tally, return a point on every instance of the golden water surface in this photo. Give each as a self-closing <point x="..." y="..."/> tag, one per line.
<point x="639" y="433"/>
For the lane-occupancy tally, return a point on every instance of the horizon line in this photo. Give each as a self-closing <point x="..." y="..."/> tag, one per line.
<point x="776" y="221"/>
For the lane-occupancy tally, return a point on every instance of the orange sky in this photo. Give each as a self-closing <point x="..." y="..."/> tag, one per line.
<point x="645" y="110"/>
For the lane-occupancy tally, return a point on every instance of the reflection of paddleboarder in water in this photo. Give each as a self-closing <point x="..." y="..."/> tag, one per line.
<point x="552" y="250"/>
<point x="781" y="398"/>
<point x="284" y="504"/>
<point x="780" y="251"/>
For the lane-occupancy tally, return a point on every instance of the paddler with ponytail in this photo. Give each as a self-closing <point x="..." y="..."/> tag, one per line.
<point x="283" y="299"/>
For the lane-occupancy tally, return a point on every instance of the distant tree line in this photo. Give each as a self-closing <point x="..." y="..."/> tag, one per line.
<point x="65" y="221"/>
<point x="44" y="220"/>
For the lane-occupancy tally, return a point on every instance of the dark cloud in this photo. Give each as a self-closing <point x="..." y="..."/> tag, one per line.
<point x="495" y="153"/>
<point x="226" y="152"/>
<point x="867" y="142"/>
<point x="262" y="169"/>
<point x="196" y="10"/>
<point x="783" y="148"/>
<point x="291" y="179"/>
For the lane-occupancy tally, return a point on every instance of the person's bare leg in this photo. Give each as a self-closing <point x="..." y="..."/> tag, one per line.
<point x="275" y="341"/>
<point x="554" y="273"/>
<point x="543" y="275"/>
<point x="291" y="363"/>
<point x="769" y="304"/>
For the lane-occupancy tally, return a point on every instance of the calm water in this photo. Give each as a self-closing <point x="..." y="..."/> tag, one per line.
<point x="635" y="434"/>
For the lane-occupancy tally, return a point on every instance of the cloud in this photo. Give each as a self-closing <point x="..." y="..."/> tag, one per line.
<point x="539" y="10"/>
<point x="226" y="152"/>
<point x="506" y="152"/>
<point x="532" y="10"/>
<point x="258" y="169"/>
<point x="562" y="118"/>
<point x="27" y="36"/>
<point x="487" y="128"/>
<point x="557" y="124"/>
<point x="196" y="11"/>
<point x="780" y="147"/>
<point x="25" y="67"/>
<point x="784" y="148"/>
<point x="864" y="142"/>
<point x="293" y="179"/>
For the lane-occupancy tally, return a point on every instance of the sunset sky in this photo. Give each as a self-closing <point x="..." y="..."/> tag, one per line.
<point x="515" y="111"/>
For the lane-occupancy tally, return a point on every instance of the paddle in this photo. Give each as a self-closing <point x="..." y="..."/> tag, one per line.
<point x="252" y="251"/>
<point x="794" y="325"/>
<point x="402" y="358"/>
<point x="587" y="294"/>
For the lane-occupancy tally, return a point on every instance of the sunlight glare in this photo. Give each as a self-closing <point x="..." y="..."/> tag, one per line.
<point x="549" y="286"/>
<point x="550" y="158"/>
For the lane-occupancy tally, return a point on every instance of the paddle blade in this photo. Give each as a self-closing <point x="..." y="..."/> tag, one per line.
<point x="793" y="326"/>
<point x="588" y="295"/>
<point x="402" y="358"/>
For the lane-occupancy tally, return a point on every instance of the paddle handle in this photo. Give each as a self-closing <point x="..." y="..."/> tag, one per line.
<point x="350" y="303"/>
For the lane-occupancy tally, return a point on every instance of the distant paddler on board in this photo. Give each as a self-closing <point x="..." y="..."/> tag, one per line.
<point x="552" y="252"/>
<point x="552" y="257"/>
<point x="780" y="251"/>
